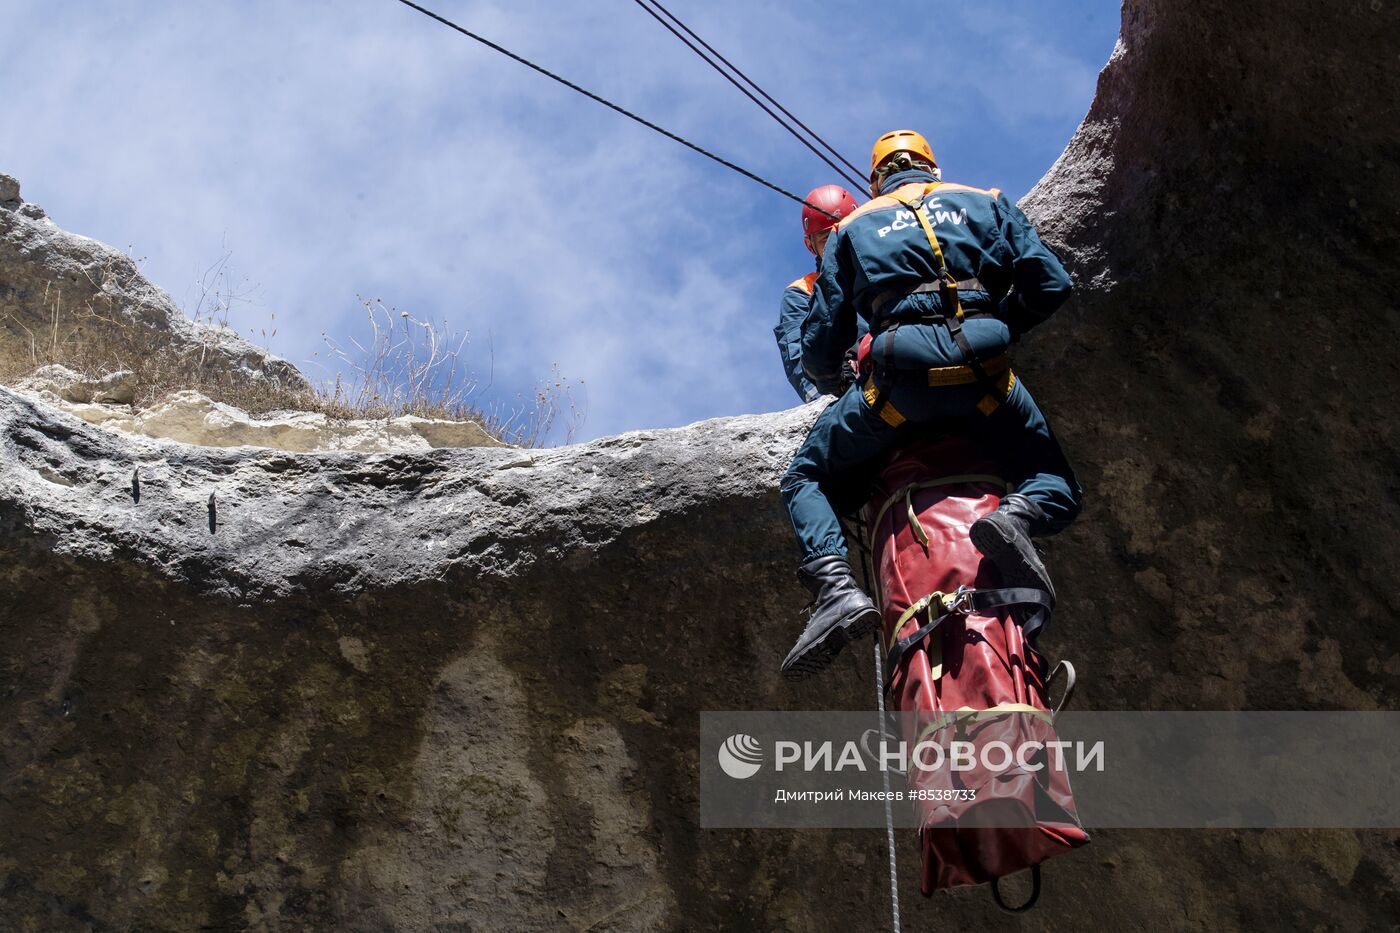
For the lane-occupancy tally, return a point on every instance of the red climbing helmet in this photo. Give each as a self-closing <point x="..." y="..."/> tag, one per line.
<point x="833" y="199"/>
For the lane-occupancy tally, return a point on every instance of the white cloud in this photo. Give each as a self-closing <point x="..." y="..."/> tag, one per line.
<point x="356" y="147"/>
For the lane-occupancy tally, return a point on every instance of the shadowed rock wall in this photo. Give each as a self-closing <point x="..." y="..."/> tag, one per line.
<point x="459" y="690"/>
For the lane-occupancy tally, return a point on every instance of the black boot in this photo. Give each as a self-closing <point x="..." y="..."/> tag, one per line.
<point x="1004" y="536"/>
<point x="841" y="613"/>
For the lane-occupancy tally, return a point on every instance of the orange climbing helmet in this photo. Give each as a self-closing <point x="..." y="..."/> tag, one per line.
<point x="900" y="141"/>
<point x="824" y="209"/>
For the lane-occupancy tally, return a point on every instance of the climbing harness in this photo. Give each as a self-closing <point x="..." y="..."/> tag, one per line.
<point x="994" y="375"/>
<point x="882" y="299"/>
<point x="947" y="284"/>
<point x="605" y="102"/>
<point x="949" y="375"/>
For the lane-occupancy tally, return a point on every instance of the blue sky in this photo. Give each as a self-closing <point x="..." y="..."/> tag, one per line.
<point x="337" y="148"/>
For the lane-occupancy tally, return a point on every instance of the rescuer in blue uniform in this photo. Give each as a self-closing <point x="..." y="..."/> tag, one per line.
<point x="824" y="207"/>
<point x="948" y="277"/>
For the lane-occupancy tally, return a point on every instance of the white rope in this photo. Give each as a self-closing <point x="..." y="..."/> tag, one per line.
<point x="855" y="530"/>
<point x="885" y="777"/>
<point x="884" y="773"/>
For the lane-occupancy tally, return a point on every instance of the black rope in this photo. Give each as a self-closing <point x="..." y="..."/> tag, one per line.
<point x="852" y="176"/>
<point x="860" y="182"/>
<point x="611" y="106"/>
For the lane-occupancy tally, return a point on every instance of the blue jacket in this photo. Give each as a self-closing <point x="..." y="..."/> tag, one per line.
<point x="988" y="244"/>
<point x="797" y="302"/>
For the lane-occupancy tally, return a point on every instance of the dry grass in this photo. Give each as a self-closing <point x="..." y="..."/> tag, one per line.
<point x="409" y="366"/>
<point x="401" y="365"/>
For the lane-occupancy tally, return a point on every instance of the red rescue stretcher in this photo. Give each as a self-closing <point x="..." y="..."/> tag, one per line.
<point x="959" y="656"/>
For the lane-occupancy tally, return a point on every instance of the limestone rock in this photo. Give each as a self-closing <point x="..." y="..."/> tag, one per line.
<point x="192" y="418"/>
<point x="60" y="384"/>
<point x="57" y="384"/>
<point x="485" y="600"/>
<point x="9" y="193"/>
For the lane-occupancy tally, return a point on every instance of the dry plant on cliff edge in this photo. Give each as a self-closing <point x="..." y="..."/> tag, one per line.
<point x="403" y="365"/>
<point x="410" y="366"/>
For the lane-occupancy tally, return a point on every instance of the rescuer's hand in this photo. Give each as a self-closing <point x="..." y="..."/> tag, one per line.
<point x="850" y="372"/>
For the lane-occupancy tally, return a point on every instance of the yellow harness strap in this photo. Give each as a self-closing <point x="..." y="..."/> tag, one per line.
<point x="950" y="283"/>
<point x="935" y="648"/>
<point x="887" y="412"/>
<point x="1003" y="384"/>
<point x="963" y="375"/>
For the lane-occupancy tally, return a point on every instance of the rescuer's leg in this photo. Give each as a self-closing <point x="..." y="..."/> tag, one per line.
<point x="1047" y="496"/>
<point x="845" y="435"/>
<point x="841" y="614"/>
<point x="1004" y="536"/>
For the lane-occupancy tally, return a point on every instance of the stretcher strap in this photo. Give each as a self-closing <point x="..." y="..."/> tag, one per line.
<point x="961" y="602"/>
<point x="957" y="479"/>
<point x="1070" y="677"/>
<point x="914" y="519"/>
<point x="918" y="606"/>
<point x="1029" y="902"/>
<point x="964" y="714"/>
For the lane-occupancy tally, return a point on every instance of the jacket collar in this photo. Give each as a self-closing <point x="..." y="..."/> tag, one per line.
<point x="904" y="178"/>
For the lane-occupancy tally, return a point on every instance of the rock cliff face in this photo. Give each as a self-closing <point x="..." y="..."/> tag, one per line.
<point x="459" y="689"/>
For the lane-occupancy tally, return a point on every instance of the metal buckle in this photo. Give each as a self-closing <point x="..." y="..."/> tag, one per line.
<point x="960" y="600"/>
